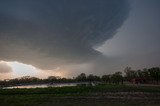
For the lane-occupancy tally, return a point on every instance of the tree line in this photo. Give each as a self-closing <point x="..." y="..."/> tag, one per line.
<point x="150" y="75"/>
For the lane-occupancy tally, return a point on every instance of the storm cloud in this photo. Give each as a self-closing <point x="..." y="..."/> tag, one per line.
<point x="5" y="68"/>
<point x="51" y="33"/>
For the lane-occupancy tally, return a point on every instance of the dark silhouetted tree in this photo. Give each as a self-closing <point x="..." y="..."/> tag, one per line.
<point x="117" y="78"/>
<point x="130" y="74"/>
<point x="106" y="78"/>
<point x="92" y="78"/>
<point x="82" y="77"/>
<point x="155" y="73"/>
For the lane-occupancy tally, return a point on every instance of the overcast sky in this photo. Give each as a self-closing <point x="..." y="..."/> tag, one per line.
<point x="67" y="37"/>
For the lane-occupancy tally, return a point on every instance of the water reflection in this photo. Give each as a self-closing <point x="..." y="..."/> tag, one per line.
<point x="46" y="85"/>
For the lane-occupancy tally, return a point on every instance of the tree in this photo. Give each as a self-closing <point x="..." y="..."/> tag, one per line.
<point x="82" y="77"/>
<point x="130" y="74"/>
<point x="146" y="74"/>
<point x="117" y="77"/>
<point x="155" y="73"/>
<point x="52" y="79"/>
<point x="106" y="78"/>
<point x="140" y="74"/>
<point x="92" y="78"/>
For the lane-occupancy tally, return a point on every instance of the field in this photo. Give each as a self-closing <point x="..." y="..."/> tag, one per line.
<point x="100" y="95"/>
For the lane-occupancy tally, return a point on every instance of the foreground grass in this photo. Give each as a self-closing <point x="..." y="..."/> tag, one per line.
<point x="100" y="95"/>
<point x="81" y="90"/>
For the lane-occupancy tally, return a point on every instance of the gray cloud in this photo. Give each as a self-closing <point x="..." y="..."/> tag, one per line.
<point x="137" y="42"/>
<point x="5" y="68"/>
<point x="50" y="33"/>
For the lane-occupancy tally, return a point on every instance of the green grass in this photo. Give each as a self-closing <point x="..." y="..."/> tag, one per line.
<point x="79" y="95"/>
<point x="81" y="90"/>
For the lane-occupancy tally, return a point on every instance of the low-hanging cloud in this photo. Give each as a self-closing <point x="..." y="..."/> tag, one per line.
<point x="5" y="68"/>
<point x="50" y="33"/>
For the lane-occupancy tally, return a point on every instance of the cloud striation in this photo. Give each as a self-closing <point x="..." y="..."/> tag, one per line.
<point x="51" y="33"/>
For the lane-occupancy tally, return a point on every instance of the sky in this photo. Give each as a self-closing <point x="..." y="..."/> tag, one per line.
<point x="67" y="37"/>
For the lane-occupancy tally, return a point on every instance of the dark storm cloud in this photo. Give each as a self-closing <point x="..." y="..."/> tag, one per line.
<point x="47" y="33"/>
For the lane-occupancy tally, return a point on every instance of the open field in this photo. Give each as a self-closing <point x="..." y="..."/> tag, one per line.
<point x="100" y="95"/>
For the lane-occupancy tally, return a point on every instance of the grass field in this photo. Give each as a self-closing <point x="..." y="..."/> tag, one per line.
<point x="100" y="95"/>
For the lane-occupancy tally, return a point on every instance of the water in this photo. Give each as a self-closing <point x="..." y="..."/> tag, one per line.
<point x="46" y="85"/>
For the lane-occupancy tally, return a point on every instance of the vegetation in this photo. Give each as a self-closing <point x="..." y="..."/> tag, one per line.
<point x="101" y="95"/>
<point x="80" y="90"/>
<point x="110" y="90"/>
<point x="151" y="75"/>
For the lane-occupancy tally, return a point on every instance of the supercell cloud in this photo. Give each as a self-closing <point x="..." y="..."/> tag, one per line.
<point x="51" y="33"/>
<point x="5" y="68"/>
